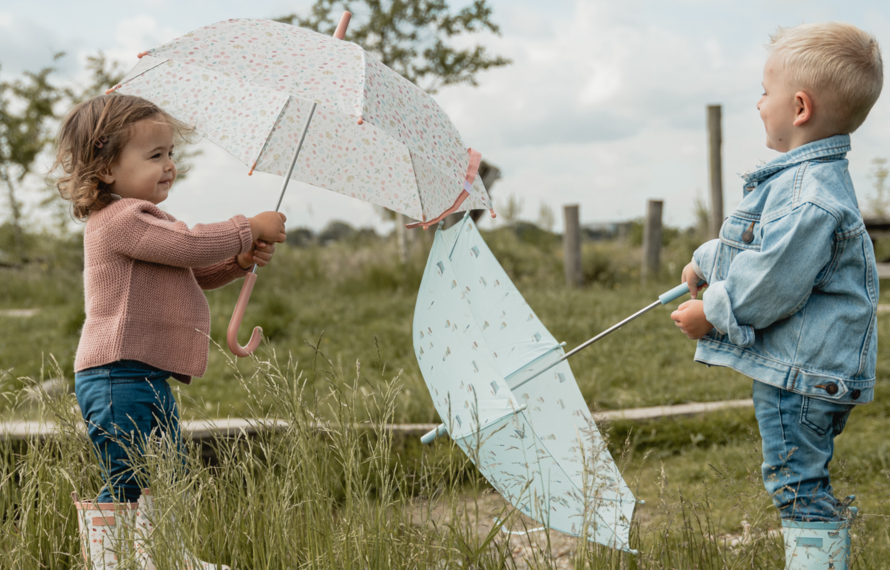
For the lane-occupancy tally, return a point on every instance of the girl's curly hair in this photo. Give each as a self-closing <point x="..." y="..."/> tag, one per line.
<point x="91" y="139"/>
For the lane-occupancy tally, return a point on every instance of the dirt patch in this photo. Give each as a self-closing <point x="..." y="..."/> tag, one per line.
<point x="530" y="547"/>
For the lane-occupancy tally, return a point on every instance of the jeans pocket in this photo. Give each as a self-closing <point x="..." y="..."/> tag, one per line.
<point x="820" y="416"/>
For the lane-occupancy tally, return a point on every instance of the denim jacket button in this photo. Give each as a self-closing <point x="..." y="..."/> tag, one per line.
<point x="831" y="389"/>
<point x="855" y="394"/>
<point x="748" y="237"/>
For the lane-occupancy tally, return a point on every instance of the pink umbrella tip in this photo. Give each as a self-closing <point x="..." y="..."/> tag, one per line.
<point x="340" y="32"/>
<point x="493" y="215"/>
<point x="112" y="90"/>
<point x="142" y="54"/>
<point x="361" y="120"/>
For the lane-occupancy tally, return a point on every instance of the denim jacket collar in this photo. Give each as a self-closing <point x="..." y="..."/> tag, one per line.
<point x="835" y="147"/>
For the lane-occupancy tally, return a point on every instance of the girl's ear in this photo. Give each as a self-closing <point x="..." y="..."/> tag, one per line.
<point x="106" y="175"/>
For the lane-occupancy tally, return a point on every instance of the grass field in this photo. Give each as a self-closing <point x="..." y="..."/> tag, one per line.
<point x="699" y="475"/>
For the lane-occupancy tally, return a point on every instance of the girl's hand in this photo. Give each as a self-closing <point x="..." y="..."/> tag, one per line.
<point x="268" y="227"/>
<point x="261" y="254"/>
<point x="690" y="277"/>
<point x="690" y="318"/>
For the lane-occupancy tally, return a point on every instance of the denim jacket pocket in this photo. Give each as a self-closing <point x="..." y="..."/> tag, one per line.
<point x="741" y="230"/>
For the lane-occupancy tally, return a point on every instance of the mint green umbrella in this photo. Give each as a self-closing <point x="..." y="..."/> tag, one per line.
<point x="507" y="396"/>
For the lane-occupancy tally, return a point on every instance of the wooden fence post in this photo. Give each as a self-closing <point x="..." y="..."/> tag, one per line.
<point x="571" y="243"/>
<point x="652" y="240"/>
<point x="715" y="169"/>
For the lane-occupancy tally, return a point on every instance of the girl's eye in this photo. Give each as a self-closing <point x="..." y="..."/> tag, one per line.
<point x="156" y="155"/>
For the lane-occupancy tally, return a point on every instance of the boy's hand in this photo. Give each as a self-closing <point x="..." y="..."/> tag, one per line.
<point x="268" y="227"/>
<point x="690" y="277"/>
<point x="690" y="317"/>
<point x="261" y="254"/>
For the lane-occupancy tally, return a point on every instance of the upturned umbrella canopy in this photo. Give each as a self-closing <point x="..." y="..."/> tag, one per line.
<point x="249" y="85"/>
<point x="481" y="348"/>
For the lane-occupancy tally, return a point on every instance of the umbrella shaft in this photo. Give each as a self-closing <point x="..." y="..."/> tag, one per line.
<point x="612" y="329"/>
<point x="591" y="341"/>
<point x="293" y="163"/>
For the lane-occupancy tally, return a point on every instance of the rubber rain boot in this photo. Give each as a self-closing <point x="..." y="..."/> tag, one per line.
<point x="145" y="523"/>
<point x="817" y="545"/>
<point x="106" y="532"/>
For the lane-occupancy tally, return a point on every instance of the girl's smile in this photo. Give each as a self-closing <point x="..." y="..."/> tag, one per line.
<point x="145" y="169"/>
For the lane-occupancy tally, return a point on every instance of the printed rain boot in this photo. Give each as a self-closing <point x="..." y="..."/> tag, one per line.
<point x="817" y="545"/>
<point x="145" y="519"/>
<point x="105" y="532"/>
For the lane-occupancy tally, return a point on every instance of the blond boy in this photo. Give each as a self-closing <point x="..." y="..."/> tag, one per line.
<point x="793" y="290"/>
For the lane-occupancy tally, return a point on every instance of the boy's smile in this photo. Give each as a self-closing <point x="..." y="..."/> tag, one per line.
<point x="145" y="168"/>
<point x="777" y="106"/>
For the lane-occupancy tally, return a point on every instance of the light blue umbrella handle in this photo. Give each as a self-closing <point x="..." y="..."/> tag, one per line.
<point x="435" y="434"/>
<point x="677" y="292"/>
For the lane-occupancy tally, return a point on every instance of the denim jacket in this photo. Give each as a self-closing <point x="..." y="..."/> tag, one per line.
<point x="793" y="282"/>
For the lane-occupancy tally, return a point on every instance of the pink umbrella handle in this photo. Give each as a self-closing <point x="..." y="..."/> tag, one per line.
<point x="341" y="27"/>
<point x="235" y="323"/>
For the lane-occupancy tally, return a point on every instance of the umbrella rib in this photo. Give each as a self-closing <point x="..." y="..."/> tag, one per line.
<point x="272" y="130"/>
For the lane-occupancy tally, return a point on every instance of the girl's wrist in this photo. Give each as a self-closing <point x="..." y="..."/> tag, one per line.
<point x="241" y="260"/>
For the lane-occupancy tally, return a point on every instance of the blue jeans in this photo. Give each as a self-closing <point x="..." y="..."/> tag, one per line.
<point x="123" y="403"/>
<point x="798" y="443"/>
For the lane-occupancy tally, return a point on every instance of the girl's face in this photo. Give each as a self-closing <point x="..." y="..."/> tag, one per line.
<point x="144" y="169"/>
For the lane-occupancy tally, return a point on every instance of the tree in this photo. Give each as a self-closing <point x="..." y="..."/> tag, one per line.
<point x="26" y="120"/>
<point x="878" y="205"/>
<point x="411" y="36"/>
<point x="546" y="218"/>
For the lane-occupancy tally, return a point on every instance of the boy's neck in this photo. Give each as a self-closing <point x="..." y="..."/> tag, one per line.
<point x="806" y="136"/>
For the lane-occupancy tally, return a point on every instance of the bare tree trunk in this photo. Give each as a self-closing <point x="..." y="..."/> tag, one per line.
<point x="16" y="216"/>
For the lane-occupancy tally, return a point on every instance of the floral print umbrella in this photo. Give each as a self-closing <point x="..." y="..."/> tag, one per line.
<point x="249" y="86"/>
<point x="495" y="376"/>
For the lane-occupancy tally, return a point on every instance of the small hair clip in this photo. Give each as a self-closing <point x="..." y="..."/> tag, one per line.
<point x="100" y="142"/>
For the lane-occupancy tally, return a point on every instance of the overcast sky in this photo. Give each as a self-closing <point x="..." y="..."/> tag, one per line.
<point x="603" y="106"/>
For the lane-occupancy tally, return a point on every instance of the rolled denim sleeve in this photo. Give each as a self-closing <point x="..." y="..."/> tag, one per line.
<point x="765" y="286"/>
<point x="704" y="259"/>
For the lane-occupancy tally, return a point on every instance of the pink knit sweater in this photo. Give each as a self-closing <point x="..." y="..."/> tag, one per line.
<point x="143" y="276"/>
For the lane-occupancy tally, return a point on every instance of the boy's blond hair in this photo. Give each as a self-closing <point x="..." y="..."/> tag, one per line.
<point x="837" y="64"/>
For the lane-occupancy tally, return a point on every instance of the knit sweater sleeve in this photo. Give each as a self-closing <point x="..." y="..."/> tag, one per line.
<point x="141" y="230"/>
<point x="219" y="274"/>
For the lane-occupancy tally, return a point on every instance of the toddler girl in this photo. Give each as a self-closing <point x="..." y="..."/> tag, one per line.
<point x="146" y="317"/>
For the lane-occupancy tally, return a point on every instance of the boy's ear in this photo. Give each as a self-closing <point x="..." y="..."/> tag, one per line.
<point x="803" y="108"/>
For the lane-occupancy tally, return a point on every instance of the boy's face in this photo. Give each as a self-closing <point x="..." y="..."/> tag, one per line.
<point x="145" y="168"/>
<point x="777" y="106"/>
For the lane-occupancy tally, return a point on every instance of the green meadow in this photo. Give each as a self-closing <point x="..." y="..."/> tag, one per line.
<point x="337" y="319"/>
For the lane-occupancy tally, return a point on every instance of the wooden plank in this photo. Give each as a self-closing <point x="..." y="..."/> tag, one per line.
<point x="202" y="430"/>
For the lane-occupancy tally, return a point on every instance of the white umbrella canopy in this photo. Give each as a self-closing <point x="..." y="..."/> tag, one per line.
<point x="250" y="85"/>
<point x="496" y="379"/>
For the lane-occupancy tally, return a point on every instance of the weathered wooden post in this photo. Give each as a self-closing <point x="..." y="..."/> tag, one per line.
<point x="652" y="240"/>
<point x="571" y="243"/>
<point x="715" y="169"/>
